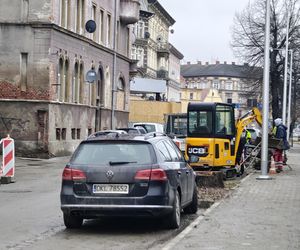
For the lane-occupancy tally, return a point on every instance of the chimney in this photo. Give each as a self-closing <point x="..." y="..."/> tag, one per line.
<point x="206" y="63"/>
<point x="188" y="63"/>
<point x="225" y="62"/>
<point x="199" y="62"/>
<point x="217" y="62"/>
<point x="233" y="63"/>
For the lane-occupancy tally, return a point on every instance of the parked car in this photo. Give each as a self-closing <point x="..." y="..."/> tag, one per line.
<point x="107" y="132"/>
<point x="150" y="126"/>
<point x="138" y="130"/>
<point x="127" y="176"/>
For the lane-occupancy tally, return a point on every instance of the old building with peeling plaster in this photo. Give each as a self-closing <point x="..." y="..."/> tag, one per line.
<point x="46" y="105"/>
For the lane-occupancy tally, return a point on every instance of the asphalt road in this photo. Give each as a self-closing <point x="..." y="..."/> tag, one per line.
<point x="31" y="218"/>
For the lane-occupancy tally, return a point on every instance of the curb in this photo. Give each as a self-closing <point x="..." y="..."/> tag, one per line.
<point x="195" y="223"/>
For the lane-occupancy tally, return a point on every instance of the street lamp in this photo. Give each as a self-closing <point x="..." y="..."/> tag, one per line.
<point x="285" y="69"/>
<point x="266" y="86"/>
<point x="290" y="92"/>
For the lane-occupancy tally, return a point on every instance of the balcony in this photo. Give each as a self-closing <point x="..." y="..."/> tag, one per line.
<point x="162" y="74"/>
<point x="129" y="11"/>
<point x="163" y="49"/>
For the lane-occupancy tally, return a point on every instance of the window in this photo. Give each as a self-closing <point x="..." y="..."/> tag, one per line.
<point x="163" y="151"/>
<point x="108" y="30"/>
<point x="224" y="120"/>
<point x="81" y="83"/>
<point x="199" y="122"/>
<point x="202" y="85"/>
<point x="94" y="8"/>
<point x="101" y="27"/>
<point x="78" y="133"/>
<point x="191" y="96"/>
<point x="73" y="133"/>
<point x="23" y="71"/>
<point x="174" y="155"/>
<point x="228" y="97"/>
<point x="63" y="133"/>
<point x="90" y="131"/>
<point x="60" y="80"/>
<point x="80" y="18"/>
<point x="104" y="152"/>
<point x="229" y="85"/>
<point x="67" y="82"/>
<point x="216" y="84"/>
<point x="251" y="103"/>
<point x="75" y="84"/>
<point x="57" y="132"/>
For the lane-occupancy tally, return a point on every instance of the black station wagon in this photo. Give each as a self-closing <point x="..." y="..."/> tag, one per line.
<point x="125" y="175"/>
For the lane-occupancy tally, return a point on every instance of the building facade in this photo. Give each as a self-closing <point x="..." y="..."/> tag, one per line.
<point x="238" y="84"/>
<point x="46" y="105"/>
<point x="156" y="58"/>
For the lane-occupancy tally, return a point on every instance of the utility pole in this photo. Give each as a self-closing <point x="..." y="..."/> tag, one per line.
<point x="266" y="87"/>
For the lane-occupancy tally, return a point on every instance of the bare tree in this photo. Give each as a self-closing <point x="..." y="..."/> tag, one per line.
<point x="248" y="41"/>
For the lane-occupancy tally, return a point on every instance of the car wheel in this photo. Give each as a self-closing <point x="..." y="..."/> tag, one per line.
<point x="173" y="219"/>
<point x="193" y="207"/>
<point x="72" y="221"/>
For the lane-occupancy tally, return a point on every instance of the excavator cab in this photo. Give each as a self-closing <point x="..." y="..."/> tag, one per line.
<point x="211" y="135"/>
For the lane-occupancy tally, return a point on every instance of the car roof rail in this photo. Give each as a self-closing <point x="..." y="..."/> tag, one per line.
<point x="154" y="134"/>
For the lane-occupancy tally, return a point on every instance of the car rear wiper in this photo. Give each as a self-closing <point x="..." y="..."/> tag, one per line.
<point x="121" y="162"/>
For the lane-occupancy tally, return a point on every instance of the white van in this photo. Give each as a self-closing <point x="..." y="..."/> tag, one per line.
<point x="150" y="126"/>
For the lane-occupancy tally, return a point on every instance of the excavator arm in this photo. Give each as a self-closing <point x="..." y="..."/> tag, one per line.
<point x="244" y="121"/>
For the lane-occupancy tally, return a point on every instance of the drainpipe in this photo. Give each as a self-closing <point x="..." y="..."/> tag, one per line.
<point x="113" y="123"/>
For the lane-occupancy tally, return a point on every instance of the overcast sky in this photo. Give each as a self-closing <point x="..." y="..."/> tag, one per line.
<point x="202" y="31"/>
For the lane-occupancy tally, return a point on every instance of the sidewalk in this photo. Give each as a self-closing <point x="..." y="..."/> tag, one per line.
<point x="259" y="214"/>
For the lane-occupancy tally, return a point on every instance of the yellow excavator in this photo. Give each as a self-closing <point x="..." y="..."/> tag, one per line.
<point x="214" y="136"/>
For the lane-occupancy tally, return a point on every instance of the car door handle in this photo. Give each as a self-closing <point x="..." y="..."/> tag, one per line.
<point x="187" y="172"/>
<point x="179" y="172"/>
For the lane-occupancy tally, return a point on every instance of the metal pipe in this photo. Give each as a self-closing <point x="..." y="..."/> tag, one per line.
<point x="285" y="69"/>
<point x="113" y="125"/>
<point x="290" y="97"/>
<point x="266" y="87"/>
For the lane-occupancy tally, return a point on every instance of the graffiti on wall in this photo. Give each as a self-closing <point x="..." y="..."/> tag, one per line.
<point x="12" y="126"/>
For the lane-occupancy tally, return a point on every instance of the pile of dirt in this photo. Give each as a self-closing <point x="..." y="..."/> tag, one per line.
<point x="209" y="195"/>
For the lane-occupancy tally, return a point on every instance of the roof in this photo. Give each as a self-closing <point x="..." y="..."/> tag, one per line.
<point x="163" y="11"/>
<point x="219" y="70"/>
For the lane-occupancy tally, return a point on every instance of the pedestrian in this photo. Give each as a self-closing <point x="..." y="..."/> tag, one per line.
<point x="279" y="132"/>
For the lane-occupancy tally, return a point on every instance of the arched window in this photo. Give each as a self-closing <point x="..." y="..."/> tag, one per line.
<point x="81" y="83"/>
<point x="100" y="90"/>
<point x="107" y="89"/>
<point x="75" y="90"/>
<point x="67" y="82"/>
<point x="60" y="80"/>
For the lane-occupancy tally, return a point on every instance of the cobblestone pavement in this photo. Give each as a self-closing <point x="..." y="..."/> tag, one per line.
<point x="259" y="214"/>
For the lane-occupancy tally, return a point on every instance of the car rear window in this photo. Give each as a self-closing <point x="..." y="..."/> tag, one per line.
<point x="106" y="152"/>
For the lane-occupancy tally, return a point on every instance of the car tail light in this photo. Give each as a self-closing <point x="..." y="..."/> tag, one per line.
<point x="70" y="174"/>
<point x="178" y="144"/>
<point x="156" y="174"/>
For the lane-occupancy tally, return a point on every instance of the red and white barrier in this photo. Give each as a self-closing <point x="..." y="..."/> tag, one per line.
<point x="8" y="158"/>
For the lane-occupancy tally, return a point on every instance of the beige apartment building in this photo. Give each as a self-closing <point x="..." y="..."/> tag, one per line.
<point x="230" y="83"/>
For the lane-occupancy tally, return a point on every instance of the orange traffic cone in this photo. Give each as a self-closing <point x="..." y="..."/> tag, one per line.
<point x="272" y="168"/>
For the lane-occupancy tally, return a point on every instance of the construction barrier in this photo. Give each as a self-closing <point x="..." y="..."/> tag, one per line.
<point x="8" y="158"/>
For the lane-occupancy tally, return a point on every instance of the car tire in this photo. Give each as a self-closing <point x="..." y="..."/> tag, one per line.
<point x="192" y="208"/>
<point x="72" y="221"/>
<point x="173" y="219"/>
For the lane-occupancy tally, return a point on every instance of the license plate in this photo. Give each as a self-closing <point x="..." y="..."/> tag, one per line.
<point x="110" y="188"/>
